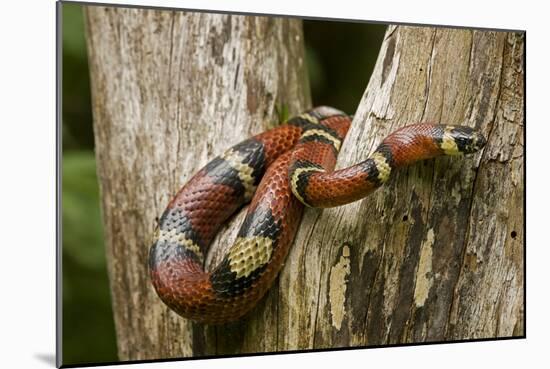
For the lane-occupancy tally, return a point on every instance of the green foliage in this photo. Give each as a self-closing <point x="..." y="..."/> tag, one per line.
<point x="282" y="113"/>
<point x="83" y="238"/>
<point x="88" y="329"/>
<point x="74" y="42"/>
<point x="76" y="96"/>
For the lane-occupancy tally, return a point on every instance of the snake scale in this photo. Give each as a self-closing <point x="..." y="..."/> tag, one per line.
<point x="278" y="172"/>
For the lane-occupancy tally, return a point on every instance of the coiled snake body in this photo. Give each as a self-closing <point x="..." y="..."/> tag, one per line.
<point x="298" y="159"/>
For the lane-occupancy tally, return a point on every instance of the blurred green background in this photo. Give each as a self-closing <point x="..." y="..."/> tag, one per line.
<point x="340" y="59"/>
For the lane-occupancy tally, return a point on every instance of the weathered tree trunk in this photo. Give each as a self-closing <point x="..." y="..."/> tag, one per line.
<point x="437" y="254"/>
<point x="171" y="90"/>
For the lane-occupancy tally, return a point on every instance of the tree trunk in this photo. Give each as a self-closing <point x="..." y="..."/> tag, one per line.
<point x="171" y="90"/>
<point x="436" y="254"/>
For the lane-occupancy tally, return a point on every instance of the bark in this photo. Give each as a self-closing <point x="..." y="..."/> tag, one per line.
<point x="437" y="253"/>
<point x="171" y="90"/>
<point x="434" y="255"/>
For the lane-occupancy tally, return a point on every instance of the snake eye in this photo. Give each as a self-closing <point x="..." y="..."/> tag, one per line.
<point x="475" y="142"/>
<point x="468" y="140"/>
<point x="479" y="141"/>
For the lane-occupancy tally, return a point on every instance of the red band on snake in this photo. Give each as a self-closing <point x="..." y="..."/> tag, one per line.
<point x="278" y="172"/>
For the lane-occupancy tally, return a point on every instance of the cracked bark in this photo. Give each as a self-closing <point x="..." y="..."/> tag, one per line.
<point x="171" y="90"/>
<point x="429" y="257"/>
<point x="436" y="254"/>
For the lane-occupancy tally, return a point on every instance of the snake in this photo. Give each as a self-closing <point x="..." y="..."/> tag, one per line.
<point x="278" y="172"/>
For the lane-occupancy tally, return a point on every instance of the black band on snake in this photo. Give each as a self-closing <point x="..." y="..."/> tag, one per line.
<point x="278" y="172"/>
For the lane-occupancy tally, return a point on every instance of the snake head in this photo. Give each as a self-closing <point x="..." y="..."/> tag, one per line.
<point x="468" y="140"/>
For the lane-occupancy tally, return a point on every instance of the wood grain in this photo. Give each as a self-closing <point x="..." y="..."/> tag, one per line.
<point x="437" y="253"/>
<point x="171" y="90"/>
<point x="434" y="255"/>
